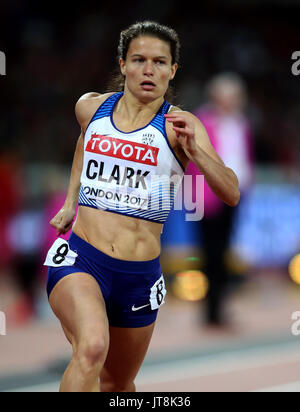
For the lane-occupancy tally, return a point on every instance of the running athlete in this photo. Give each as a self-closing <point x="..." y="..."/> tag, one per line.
<point x="105" y="283"/>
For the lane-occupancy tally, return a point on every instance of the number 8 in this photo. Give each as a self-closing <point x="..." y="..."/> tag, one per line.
<point x="60" y="254"/>
<point x="159" y="295"/>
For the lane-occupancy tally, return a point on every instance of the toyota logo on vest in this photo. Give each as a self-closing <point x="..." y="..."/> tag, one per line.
<point x="123" y="149"/>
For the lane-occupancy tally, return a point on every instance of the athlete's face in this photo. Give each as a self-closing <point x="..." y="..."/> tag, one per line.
<point x="148" y="67"/>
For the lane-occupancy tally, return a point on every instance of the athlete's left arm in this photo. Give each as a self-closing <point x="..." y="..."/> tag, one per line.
<point x="193" y="138"/>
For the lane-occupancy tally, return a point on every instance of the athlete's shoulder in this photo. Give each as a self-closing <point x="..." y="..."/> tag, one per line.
<point x="94" y="96"/>
<point x="184" y="113"/>
<point x="175" y="109"/>
<point x="87" y="105"/>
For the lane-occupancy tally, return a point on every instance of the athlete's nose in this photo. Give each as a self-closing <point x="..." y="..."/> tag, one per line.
<point x="148" y="68"/>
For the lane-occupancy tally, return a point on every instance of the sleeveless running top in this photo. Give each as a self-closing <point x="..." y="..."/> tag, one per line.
<point x="134" y="173"/>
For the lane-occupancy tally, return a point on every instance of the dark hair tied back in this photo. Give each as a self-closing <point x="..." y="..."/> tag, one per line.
<point x="149" y="28"/>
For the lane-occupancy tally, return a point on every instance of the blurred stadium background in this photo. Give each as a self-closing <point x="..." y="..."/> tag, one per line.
<point x="56" y="54"/>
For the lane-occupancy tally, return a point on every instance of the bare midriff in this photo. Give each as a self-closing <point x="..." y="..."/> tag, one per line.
<point x="119" y="236"/>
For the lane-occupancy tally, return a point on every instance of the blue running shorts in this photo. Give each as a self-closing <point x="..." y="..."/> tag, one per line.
<point x="133" y="290"/>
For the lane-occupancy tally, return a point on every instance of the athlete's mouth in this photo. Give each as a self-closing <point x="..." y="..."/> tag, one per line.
<point x="147" y="85"/>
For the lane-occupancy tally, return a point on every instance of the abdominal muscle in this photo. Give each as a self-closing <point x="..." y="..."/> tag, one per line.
<point x="119" y="236"/>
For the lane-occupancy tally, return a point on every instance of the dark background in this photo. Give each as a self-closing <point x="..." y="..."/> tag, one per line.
<point x="58" y="51"/>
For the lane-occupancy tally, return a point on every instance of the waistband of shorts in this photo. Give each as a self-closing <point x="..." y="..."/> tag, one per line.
<point x="78" y="244"/>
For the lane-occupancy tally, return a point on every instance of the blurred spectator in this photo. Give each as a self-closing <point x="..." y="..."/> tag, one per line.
<point x="9" y="203"/>
<point x="25" y="237"/>
<point x="230" y="135"/>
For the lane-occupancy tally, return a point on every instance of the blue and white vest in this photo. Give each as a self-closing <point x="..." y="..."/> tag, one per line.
<point x="136" y="173"/>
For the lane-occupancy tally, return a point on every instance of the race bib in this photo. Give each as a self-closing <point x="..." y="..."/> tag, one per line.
<point x="158" y="292"/>
<point x="60" y="254"/>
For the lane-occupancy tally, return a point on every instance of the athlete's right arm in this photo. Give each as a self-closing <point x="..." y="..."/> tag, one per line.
<point x="85" y="108"/>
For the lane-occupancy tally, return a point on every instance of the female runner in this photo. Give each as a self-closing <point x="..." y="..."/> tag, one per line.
<point x="105" y="283"/>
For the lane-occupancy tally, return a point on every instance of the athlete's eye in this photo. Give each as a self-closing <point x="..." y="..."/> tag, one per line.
<point x="138" y="59"/>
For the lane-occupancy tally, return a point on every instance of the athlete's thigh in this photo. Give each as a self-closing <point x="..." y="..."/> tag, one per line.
<point x="127" y="350"/>
<point x="78" y="303"/>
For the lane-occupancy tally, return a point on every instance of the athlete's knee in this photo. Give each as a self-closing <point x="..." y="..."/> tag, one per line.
<point x="112" y="386"/>
<point x="91" y="353"/>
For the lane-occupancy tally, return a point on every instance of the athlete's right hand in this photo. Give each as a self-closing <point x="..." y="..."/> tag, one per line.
<point x="63" y="220"/>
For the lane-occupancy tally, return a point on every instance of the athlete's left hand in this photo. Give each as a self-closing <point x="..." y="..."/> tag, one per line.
<point x="184" y="127"/>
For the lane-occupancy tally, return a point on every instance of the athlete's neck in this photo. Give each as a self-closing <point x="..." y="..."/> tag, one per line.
<point x="134" y="111"/>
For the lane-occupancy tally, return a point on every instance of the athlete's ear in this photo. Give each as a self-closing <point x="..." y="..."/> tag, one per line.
<point x="174" y="68"/>
<point x="122" y="66"/>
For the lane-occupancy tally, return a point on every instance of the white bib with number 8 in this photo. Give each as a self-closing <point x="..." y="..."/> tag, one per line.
<point x="158" y="292"/>
<point x="60" y="254"/>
